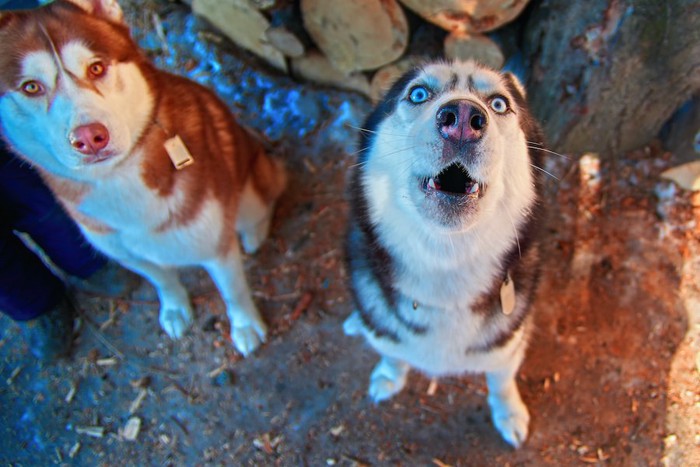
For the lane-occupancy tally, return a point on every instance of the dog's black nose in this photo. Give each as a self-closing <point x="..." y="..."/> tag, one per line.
<point x="461" y="121"/>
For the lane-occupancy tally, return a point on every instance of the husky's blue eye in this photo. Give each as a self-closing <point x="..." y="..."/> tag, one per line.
<point x="499" y="104"/>
<point x="418" y="95"/>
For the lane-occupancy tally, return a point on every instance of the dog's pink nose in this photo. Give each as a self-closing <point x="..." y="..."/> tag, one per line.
<point x="89" y="139"/>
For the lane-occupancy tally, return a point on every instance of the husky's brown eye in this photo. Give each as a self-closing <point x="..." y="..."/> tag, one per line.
<point x="32" y="88"/>
<point x="96" y="70"/>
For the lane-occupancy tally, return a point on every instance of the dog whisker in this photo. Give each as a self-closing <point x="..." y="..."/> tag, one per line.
<point x="544" y="171"/>
<point x="366" y="130"/>
<point x="549" y="151"/>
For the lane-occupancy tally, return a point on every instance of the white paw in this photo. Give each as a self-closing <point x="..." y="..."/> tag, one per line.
<point x="175" y="320"/>
<point x="511" y="418"/>
<point x="353" y="324"/>
<point x="247" y="338"/>
<point x="252" y="238"/>
<point x="251" y="243"/>
<point x="387" y="379"/>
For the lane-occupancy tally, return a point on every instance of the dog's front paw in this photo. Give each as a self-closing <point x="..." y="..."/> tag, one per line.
<point x="388" y="378"/>
<point x="175" y="320"/>
<point x="248" y="337"/>
<point x="353" y="324"/>
<point x="511" y="418"/>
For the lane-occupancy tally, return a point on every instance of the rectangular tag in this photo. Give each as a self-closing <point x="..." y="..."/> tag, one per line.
<point x="508" y="296"/>
<point x="178" y="152"/>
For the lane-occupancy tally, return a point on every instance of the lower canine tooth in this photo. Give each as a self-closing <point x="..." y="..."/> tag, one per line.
<point x="474" y="189"/>
<point x="431" y="184"/>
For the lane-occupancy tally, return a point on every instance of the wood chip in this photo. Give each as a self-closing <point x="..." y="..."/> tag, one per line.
<point x="71" y="393"/>
<point x="131" y="429"/>
<point x="94" y="431"/>
<point x="111" y="361"/>
<point x="687" y="176"/>
<point x="440" y="463"/>
<point x="217" y="371"/>
<point x="13" y="375"/>
<point x="336" y="431"/>
<point x="136" y="404"/>
<point x="74" y="450"/>
<point x="432" y="387"/>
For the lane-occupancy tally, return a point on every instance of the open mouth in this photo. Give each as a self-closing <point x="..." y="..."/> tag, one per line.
<point x="454" y="180"/>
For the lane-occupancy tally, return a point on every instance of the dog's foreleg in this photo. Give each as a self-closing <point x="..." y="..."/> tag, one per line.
<point x="387" y="379"/>
<point x="175" y="311"/>
<point x="247" y="327"/>
<point x="508" y="412"/>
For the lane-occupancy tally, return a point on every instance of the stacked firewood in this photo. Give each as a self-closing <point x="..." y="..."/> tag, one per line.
<point x="361" y="44"/>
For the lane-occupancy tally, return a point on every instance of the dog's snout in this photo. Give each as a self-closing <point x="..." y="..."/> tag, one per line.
<point x="89" y="139"/>
<point x="461" y="121"/>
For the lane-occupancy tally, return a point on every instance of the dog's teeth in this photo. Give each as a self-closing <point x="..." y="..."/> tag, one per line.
<point x="473" y="189"/>
<point x="431" y="184"/>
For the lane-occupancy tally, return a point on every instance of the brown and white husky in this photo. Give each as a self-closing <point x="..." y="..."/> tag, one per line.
<point x="152" y="166"/>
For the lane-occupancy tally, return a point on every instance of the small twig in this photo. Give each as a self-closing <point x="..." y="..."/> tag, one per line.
<point x="180" y="424"/>
<point x="302" y="306"/>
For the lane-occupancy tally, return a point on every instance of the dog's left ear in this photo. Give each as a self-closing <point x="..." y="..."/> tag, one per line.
<point x="514" y="85"/>
<point x="107" y="9"/>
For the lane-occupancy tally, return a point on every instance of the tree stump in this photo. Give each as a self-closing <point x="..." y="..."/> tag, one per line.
<point x="607" y="74"/>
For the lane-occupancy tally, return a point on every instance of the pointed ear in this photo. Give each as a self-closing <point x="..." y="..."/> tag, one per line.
<point x="514" y="85"/>
<point x="106" y="9"/>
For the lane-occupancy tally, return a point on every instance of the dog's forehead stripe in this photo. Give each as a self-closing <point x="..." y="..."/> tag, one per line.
<point x="39" y="64"/>
<point x="467" y="76"/>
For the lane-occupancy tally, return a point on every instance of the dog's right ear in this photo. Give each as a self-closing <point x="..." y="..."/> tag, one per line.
<point x="106" y="9"/>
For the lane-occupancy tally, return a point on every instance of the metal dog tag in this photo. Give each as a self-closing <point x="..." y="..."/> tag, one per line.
<point x="178" y="152"/>
<point x="508" y="296"/>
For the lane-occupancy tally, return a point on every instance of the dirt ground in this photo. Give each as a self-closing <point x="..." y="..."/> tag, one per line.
<point x="612" y="376"/>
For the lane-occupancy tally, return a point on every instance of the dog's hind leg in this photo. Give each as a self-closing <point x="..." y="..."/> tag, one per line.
<point x="387" y="379"/>
<point x="257" y="204"/>
<point x="248" y="330"/>
<point x="508" y="411"/>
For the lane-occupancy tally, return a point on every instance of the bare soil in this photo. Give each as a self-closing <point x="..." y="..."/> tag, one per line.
<point x="610" y="377"/>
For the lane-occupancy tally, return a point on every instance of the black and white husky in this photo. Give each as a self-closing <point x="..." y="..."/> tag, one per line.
<point x="441" y="245"/>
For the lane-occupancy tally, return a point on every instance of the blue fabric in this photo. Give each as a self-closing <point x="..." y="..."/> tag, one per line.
<point x="27" y="287"/>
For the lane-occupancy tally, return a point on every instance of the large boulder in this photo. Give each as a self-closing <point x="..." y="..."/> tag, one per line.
<point x="467" y="15"/>
<point x="316" y="67"/>
<point x="241" y="22"/>
<point x="357" y="35"/>
<point x="465" y="46"/>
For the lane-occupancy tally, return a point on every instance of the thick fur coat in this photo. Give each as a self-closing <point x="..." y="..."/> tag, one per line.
<point x="80" y="102"/>
<point x="442" y="241"/>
